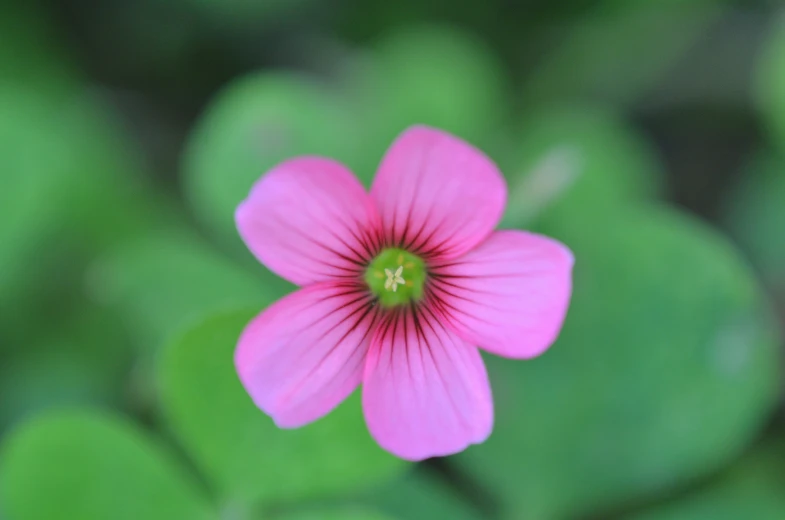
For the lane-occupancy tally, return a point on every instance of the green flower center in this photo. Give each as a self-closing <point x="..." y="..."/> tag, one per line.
<point x="396" y="277"/>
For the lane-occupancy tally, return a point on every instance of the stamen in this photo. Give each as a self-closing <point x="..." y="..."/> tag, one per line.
<point x="393" y="279"/>
<point x="386" y="279"/>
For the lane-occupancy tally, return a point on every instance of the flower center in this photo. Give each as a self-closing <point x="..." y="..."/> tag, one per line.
<point x="396" y="277"/>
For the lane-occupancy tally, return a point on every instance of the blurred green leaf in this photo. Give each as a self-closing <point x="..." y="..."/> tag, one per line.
<point x="770" y="82"/>
<point x="420" y="495"/>
<point x="108" y="198"/>
<point x="164" y="282"/>
<point x="755" y="214"/>
<point x="255" y="123"/>
<point x="65" y="161"/>
<point x="90" y="466"/>
<point x="30" y="51"/>
<point x="69" y="184"/>
<point x="239" y="449"/>
<point x="434" y="75"/>
<point x="619" y="50"/>
<point x="570" y="161"/>
<point x="37" y="163"/>
<point x="667" y="366"/>
<point x="84" y="359"/>
<point x="231" y="14"/>
<point x="753" y="488"/>
<point x="344" y="513"/>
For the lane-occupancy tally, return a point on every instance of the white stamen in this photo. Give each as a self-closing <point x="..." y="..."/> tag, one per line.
<point x="394" y="279"/>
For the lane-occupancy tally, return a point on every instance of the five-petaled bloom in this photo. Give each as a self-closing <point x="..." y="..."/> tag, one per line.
<point x="399" y="289"/>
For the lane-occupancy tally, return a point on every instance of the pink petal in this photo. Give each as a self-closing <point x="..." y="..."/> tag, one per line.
<point x="508" y="296"/>
<point x="425" y="391"/>
<point x="309" y="220"/>
<point x="436" y="194"/>
<point x="304" y="355"/>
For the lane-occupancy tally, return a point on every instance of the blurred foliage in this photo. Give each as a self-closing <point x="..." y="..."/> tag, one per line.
<point x="753" y="488"/>
<point x="660" y="383"/>
<point x="770" y="84"/>
<point x="618" y="50"/>
<point x="70" y="188"/>
<point x="572" y="161"/>
<point x="82" y="358"/>
<point x="242" y="13"/>
<point x="93" y="467"/>
<point x="165" y="282"/>
<point x="433" y="75"/>
<point x="423" y="495"/>
<point x="30" y="52"/>
<point x="121" y="278"/>
<point x="337" y="514"/>
<point x="755" y="214"/>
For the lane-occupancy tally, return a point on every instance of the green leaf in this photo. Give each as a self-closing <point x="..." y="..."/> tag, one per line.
<point x="253" y="124"/>
<point x="107" y="196"/>
<point x="67" y="185"/>
<point x="31" y="53"/>
<point x="83" y="360"/>
<point x="37" y="164"/>
<point x="239" y="449"/>
<point x="571" y="161"/>
<point x="164" y="282"/>
<point x="617" y="52"/>
<point x="344" y="513"/>
<point x="81" y="465"/>
<point x="433" y="75"/>
<point x="666" y="367"/>
<point x="753" y="488"/>
<point x="420" y="495"/>
<point x="770" y="82"/>
<point x="65" y="161"/>
<point x="755" y="214"/>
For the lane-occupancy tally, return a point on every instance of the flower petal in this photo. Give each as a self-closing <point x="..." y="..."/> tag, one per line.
<point x="436" y="194"/>
<point x="304" y="355"/>
<point x="309" y="220"/>
<point x="509" y="296"/>
<point x="425" y="391"/>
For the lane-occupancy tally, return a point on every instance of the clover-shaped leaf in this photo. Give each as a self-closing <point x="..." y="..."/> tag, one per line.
<point x="427" y="74"/>
<point x="80" y="465"/>
<point x="666" y="368"/>
<point x="752" y="488"/>
<point x="254" y="123"/>
<point x="570" y="161"/>
<point x="165" y="281"/>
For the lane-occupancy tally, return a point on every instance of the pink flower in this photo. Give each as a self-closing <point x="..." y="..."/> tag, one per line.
<point x="399" y="288"/>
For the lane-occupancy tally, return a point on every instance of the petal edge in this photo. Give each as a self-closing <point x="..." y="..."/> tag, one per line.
<point x="436" y="194"/>
<point x="305" y="354"/>
<point x="309" y="220"/>
<point x="425" y="391"/>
